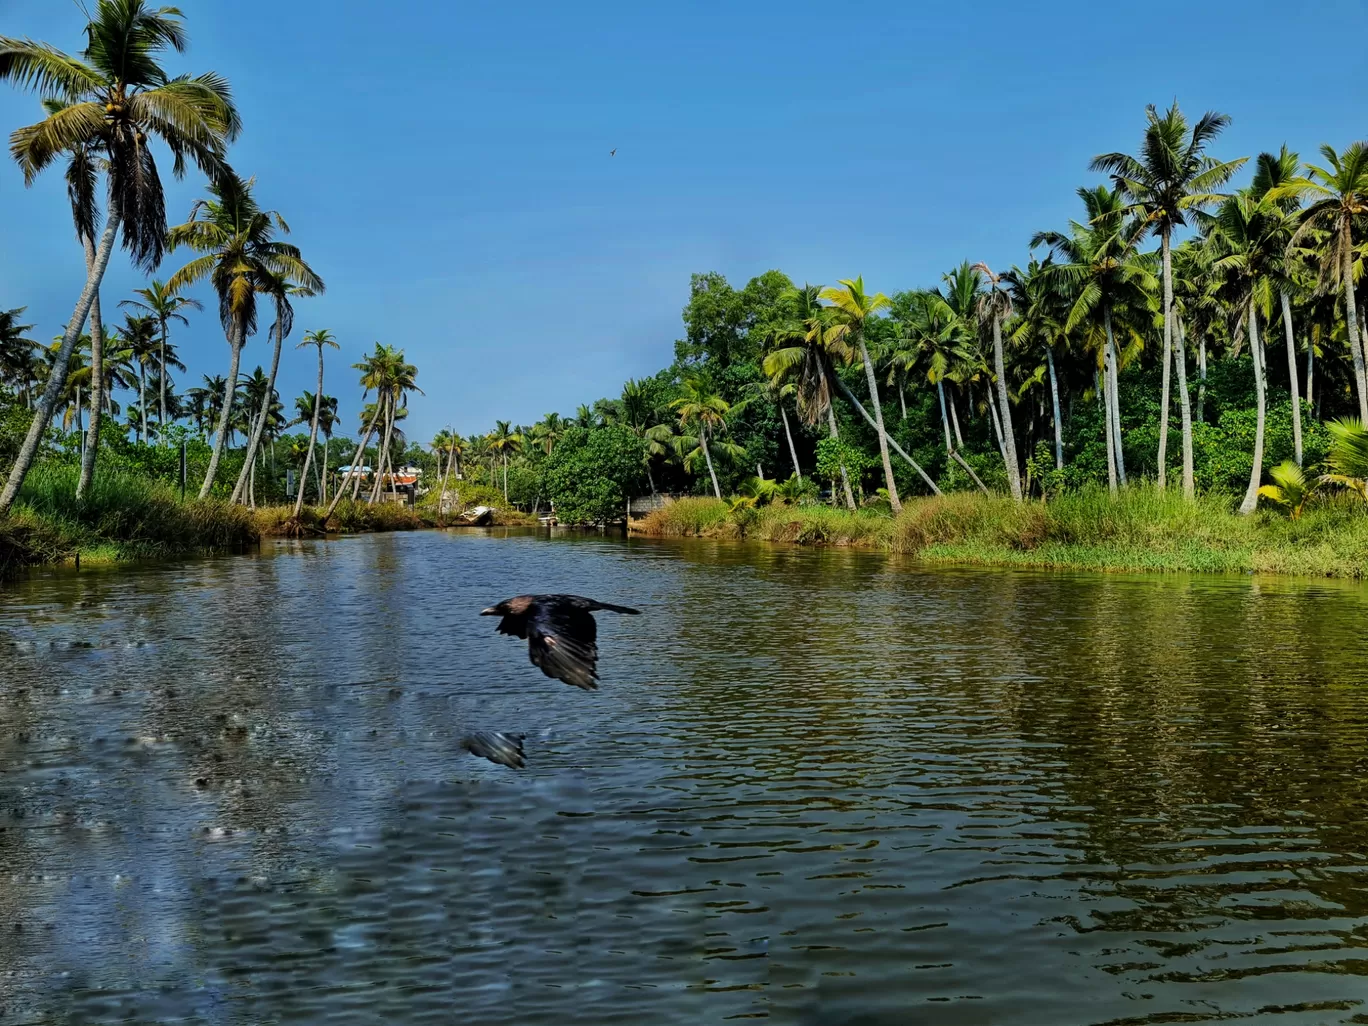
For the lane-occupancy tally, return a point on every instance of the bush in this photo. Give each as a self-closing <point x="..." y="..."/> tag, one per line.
<point x="590" y="474"/>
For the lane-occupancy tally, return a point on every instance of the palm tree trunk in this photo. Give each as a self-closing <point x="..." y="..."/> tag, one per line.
<point x="1201" y="379"/>
<point x="323" y="477"/>
<point x="1054" y="399"/>
<point x="1161" y="480"/>
<point x="235" y="343"/>
<point x="1292" y="376"/>
<point x="893" y="499"/>
<point x="382" y="458"/>
<point x="1310" y="369"/>
<point x="97" y="389"/>
<point x="505" y="475"/>
<point x="945" y="420"/>
<point x="902" y="400"/>
<point x="1104" y="394"/>
<point x="895" y="446"/>
<point x="1184" y="406"/>
<point x="255" y="440"/>
<point x="161" y="402"/>
<point x="142" y="402"/>
<point x="1114" y="387"/>
<point x="703" y="441"/>
<point x="1009" y="453"/>
<point x="1352" y="324"/>
<point x="357" y="458"/>
<point x="954" y="423"/>
<point x="80" y="427"/>
<point x="997" y="431"/>
<point x="1251" y="498"/>
<point x="313" y="434"/>
<point x="831" y="427"/>
<point x="56" y="382"/>
<point x="451" y="459"/>
<point x="793" y="452"/>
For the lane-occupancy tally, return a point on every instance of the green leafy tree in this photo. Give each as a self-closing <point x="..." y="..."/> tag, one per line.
<point x="590" y="474"/>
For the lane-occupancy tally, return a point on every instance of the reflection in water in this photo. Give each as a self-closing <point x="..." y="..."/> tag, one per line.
<point x="818" y="786"/>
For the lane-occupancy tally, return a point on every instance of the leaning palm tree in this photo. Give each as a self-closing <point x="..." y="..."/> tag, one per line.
<point x="242" y="259"/>
<point x="280" y="290"/>
<point x="116" y="97"/>
<point x="1172" y="177"/>
<point x="852" y="309"/>
<point x="700" y="407"/>
<point x="1338" y="192"/>
<point x="322" y="339"/>
<point x="157" y="301"/>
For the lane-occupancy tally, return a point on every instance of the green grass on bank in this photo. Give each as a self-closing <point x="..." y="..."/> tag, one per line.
<point x="121" y="517"/>
<point x="1141" y="529"/>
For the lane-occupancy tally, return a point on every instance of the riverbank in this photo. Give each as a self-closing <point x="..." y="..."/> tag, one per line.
<point x="125" y="517"/>
<point x="1140" y="530"/>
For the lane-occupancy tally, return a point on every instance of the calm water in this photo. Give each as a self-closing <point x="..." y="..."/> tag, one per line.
<point x="816" y="786"/>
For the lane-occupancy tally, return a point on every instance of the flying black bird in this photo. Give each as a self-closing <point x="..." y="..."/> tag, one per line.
<point x="561" y="634"/>
<point x="613" y="152"/>
<point x="496" y="746"/>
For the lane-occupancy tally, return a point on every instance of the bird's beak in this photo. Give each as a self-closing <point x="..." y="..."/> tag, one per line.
<point x="491" y="611"/>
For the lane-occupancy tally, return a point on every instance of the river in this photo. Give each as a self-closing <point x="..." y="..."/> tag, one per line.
<point x="818" y="786"/>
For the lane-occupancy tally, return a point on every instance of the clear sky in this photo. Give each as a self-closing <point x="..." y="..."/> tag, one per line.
<point x="445" y="165"/>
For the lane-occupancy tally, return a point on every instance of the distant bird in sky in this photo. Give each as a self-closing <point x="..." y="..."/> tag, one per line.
<point x="613" y="152"/>
<point x="497" y="747"/>
<point x="561" y="634"/>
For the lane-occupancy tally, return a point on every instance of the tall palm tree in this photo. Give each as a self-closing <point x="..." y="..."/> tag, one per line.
<point x="1103" y="277"/>
<point x="206" y="403"/>
<point x="1338" y="192"/>
<point x="1041" y="312"/>
<point x="774" y="391"/>
<point x="139" y="336"/>
<point x="242" y="259"/>
<point x="852" y="309"/>
<point x="503" y="441"/>
<point x="280" y="290"/>
<point x="995" y="306"/>
<point x="1172" y="176"/>
<point x="157" y="301"/>
<point x="1251" y="234"/>
<point x="323" y="338"/>
<point x="701" y="408"/>
<point x="797" y="352"/>
<point x="116" y="97"/>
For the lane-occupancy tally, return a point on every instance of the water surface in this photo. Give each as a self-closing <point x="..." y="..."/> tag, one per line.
<point x="816" y="786"/>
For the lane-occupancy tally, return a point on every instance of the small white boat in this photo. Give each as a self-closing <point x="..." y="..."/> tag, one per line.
<point x="480" y="516"/>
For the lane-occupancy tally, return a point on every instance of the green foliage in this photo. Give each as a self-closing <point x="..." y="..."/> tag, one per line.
<point x="590" y="474"/>
<point x="833" y="453"/>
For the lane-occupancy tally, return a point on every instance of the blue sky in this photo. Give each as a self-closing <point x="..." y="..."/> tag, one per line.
<point x="445" y="165"/>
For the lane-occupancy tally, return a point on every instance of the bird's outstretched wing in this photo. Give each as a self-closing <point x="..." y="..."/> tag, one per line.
<point x="497" y="747"/>
<point x="562" y="639"/>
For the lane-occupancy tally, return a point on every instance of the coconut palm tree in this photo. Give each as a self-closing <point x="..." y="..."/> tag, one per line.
<point x="157" y="301"/>
<point x="1172" y="177"/>
<point x="280" y="289"/>
<point x="1251" y="234"/>
<point x="503" y="441"/>
<point x="774" y="391"/>
<point x="322" y="338"/>
<point x="701" y="408"/>
<point x="139" y="336"/>
<point x="798" y="352"/>
<point x="995" y="306"/>
<point x="116" y="97"/>
<point x="851" y="310"/>
<point x="1338" y="192"/>
<point x="1041" y="312"/>
<point x="1103" y="278"/>
<point x="242" y="259"/>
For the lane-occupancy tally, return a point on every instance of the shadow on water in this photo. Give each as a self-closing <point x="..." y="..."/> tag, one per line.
<point x="818" y="786"/>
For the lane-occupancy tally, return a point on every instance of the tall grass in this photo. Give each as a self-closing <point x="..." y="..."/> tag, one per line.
<point x="122" y="516"/>
<point x="1139" y="529"/>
